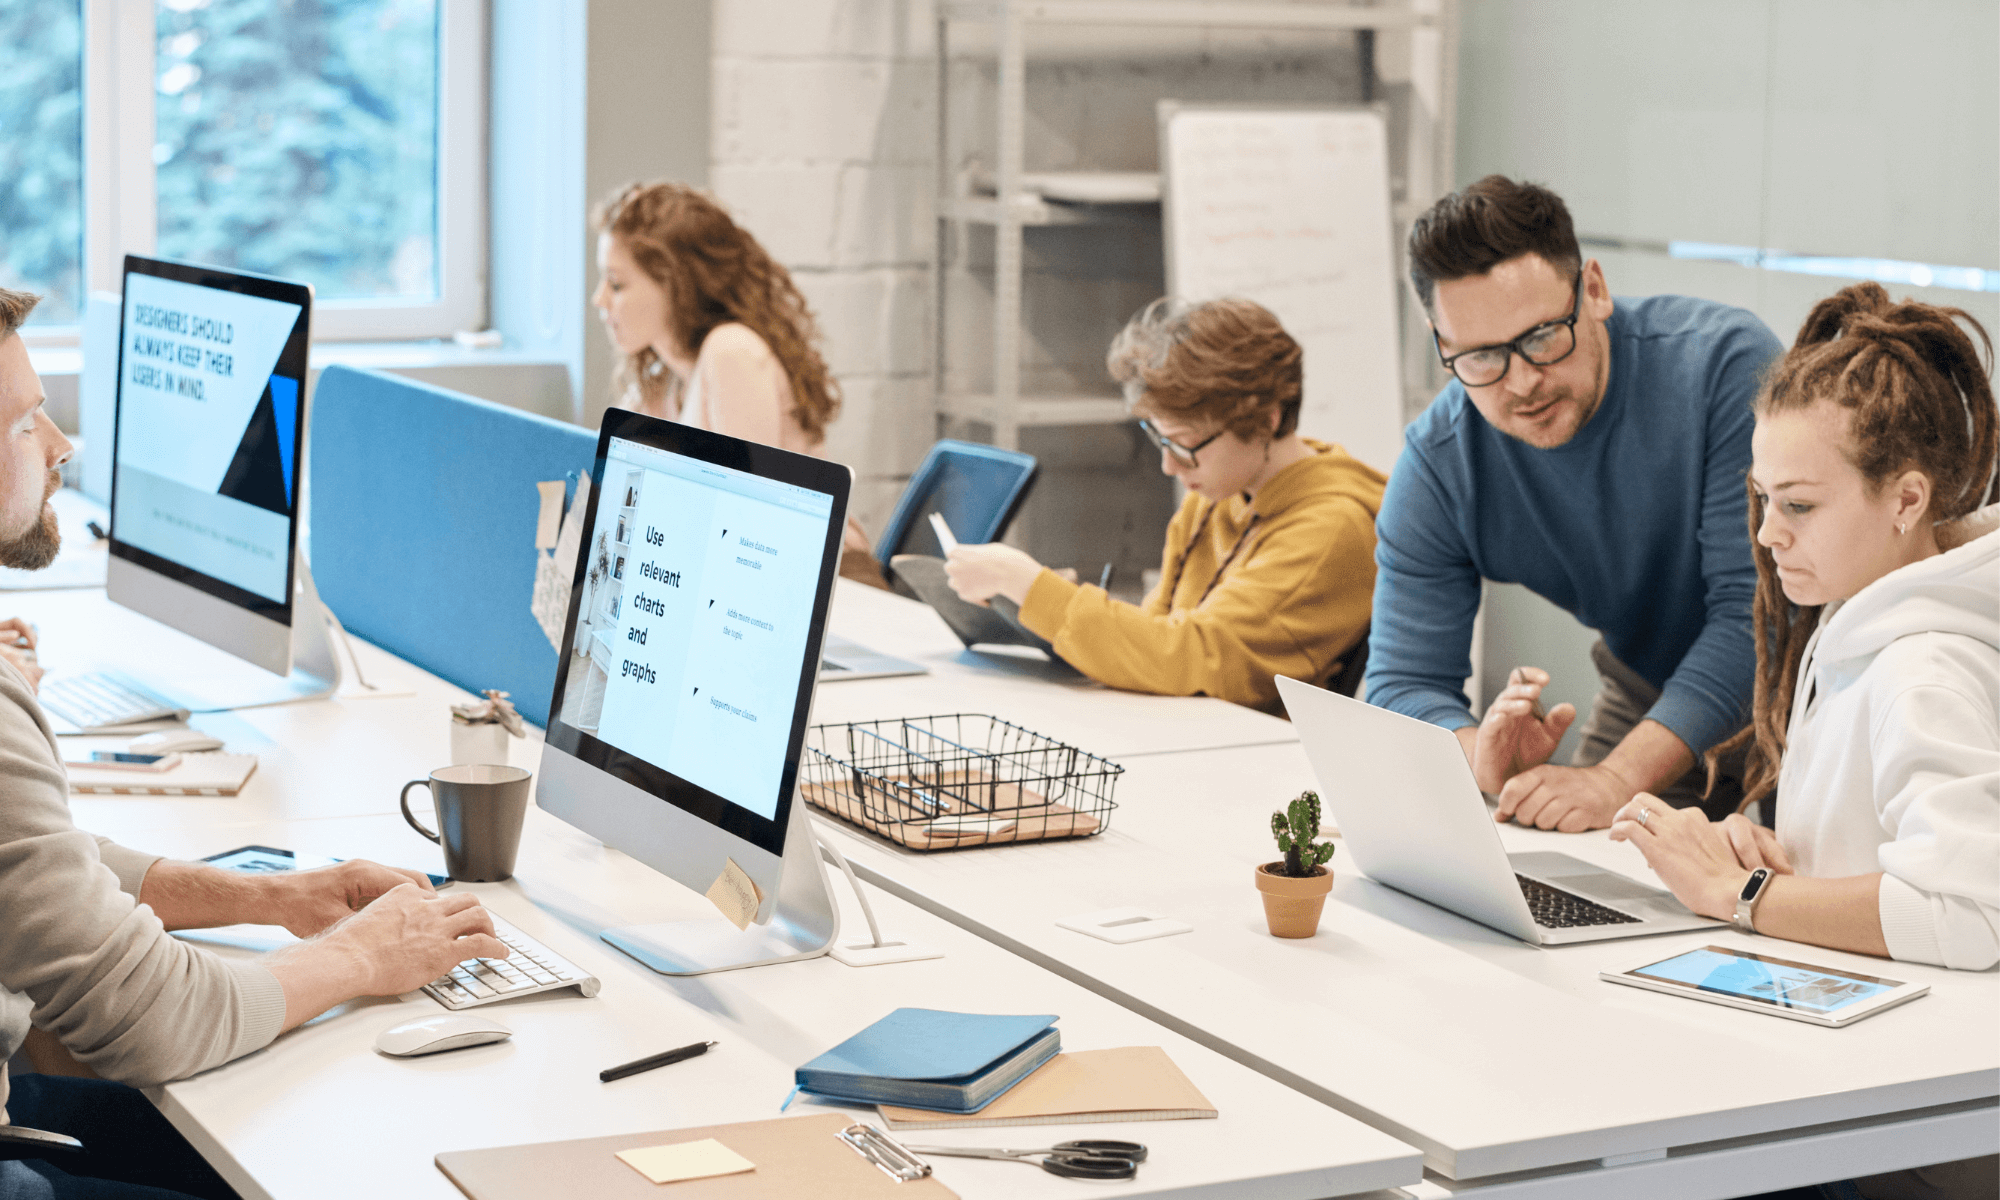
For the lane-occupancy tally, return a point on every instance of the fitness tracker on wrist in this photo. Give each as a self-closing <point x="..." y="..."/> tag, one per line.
<point x="1746" y="900"/>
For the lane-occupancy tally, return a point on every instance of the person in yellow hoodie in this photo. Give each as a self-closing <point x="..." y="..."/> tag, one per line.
<point x="1269" y="566"/>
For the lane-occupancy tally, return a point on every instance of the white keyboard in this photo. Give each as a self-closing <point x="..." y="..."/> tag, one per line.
<point x="99" y="701"/>
<point x="532" y="968"/>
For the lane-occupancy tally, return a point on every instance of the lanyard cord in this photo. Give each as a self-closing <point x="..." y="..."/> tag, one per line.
<point x="1181" y="567"/>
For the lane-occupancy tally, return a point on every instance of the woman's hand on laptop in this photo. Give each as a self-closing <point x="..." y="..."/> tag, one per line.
<point x="1702" y="862"/>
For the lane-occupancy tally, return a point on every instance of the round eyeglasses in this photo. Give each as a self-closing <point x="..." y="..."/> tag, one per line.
<point x="1543" y="346"/>
<point x="1184" y="455"/>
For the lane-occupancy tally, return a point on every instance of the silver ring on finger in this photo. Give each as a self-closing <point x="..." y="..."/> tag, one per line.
<point x="1645" y="815"/>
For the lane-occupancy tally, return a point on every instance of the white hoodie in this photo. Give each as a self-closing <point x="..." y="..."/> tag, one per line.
<point x="1892" y="759"/>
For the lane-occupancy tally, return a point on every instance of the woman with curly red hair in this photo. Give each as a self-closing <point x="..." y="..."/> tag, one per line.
<point x="712" y="331"/>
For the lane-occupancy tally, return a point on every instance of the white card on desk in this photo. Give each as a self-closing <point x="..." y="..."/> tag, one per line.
<point x="1122" y="925"/>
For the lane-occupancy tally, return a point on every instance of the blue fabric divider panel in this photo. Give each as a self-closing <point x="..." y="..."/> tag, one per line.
<point x="423" y="510"/>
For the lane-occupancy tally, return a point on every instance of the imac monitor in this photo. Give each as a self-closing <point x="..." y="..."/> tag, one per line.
<point x="206" y="447"/>
<point x="686" y="677"/>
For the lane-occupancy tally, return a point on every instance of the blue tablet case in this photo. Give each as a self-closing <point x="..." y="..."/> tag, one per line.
<point x="422" y="509"/>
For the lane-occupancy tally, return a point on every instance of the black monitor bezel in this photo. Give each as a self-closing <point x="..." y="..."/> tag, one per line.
<point x="766" y="462"/>
<point x="292" y="364"/>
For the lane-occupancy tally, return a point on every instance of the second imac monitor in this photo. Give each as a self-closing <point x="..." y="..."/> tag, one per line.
<point x="206" y="458"/>
<point x="686" y="678"/>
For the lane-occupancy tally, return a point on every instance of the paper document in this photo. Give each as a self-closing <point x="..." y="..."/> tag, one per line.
<point x="555" y="557"/>
<point x="944" y="535"/>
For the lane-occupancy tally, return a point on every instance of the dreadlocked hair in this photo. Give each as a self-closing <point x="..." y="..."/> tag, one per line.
<point x="714" y="273"/>
<point x="1918" y="397"/>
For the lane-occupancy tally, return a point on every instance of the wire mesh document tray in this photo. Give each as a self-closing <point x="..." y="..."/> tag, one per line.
<point x="956" y="781"/>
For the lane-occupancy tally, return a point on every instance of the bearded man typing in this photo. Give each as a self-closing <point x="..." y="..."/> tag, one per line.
<point x="84" y="947"/>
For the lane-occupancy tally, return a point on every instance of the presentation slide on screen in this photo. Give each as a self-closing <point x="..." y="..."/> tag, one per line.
<point x="697" y="602"/>
<point x="1806" y="988"/>
<point x="207" y="436"/>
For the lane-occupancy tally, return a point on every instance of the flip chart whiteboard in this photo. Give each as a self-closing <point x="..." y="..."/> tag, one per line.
<point x="1290" y="208"/>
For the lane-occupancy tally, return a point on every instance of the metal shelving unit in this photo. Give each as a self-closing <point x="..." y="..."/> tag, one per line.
<point x="1423" y="33"/>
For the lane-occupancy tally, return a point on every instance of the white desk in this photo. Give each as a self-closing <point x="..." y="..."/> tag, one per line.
<point x="274" y="1122"/>
<point x="1513" y="1067"/>
<point x="319" y="1113"/>
<point x="1046" y="697"/>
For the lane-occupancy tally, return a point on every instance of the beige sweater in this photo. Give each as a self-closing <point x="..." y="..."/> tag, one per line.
<point x="81" y="957"/>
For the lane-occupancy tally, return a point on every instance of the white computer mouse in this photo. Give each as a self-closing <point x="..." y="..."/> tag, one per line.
<point x="175" y="741"/>
<point x="446" y="1031"/>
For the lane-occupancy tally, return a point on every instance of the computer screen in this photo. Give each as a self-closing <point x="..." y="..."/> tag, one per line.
<point x="698" y="602"/>
<point x="210" y="404"/>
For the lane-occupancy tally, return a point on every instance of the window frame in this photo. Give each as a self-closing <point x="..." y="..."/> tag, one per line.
<point x="120" y="201"/>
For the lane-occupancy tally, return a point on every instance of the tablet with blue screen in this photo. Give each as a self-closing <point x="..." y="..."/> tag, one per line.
<point x="1820" y="995"/>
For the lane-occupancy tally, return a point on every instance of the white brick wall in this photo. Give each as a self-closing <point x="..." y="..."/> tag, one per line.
<point x="822" y="147"/>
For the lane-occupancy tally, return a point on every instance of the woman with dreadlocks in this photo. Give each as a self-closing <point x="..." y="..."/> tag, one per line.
<point x="1876" y="718"/>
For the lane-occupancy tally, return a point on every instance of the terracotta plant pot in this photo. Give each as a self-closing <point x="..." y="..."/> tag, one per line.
<point x="1292" y="906"/>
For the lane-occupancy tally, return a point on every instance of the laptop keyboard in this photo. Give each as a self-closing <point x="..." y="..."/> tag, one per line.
<point x="1557" y="909"/>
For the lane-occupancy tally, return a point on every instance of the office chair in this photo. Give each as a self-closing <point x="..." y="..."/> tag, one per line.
<point x="978" y="489"/>
<point x="17" y="1142"/>
<point x="1347" y="681"/>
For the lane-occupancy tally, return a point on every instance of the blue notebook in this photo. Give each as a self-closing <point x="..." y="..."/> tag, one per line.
<point x="923" y="1058"/>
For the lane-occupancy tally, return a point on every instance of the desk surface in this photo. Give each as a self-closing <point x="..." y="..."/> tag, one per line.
<point x="272" y="1117"/>
<point x="1026" y="689"/>
<point x="1492" y="1055"/>
<point x="327" y="782"/>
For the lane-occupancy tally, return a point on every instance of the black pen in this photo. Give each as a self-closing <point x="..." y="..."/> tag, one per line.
<point x="667" y="1059"/>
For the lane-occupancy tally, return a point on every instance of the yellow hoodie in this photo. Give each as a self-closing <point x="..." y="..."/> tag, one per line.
<point x="1277" y="585"/>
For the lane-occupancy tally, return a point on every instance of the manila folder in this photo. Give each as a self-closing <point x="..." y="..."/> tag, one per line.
<point x="795" y="1157"/>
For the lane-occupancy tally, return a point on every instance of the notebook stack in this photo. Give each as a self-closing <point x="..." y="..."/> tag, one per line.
<point x="938" y="1061"/>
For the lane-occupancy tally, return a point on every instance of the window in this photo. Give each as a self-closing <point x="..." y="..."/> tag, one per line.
<point x="336" y="141"/>
<point x="41" y="155"/>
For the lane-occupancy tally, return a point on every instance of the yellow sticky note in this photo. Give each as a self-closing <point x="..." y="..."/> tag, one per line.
<point x="736" y="894"/>
<point x="686" y="1160"/>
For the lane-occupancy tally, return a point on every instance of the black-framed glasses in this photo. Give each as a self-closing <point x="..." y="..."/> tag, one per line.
<point x="1544" y="346"/>
<point x="1184" y="455"/>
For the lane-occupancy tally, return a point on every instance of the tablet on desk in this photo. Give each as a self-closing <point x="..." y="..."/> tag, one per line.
<point x="1821" y="995"/>
<point x="270" y="858"/>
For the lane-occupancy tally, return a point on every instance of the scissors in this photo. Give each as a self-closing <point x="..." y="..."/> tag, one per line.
<point x="1073" y="1160"/>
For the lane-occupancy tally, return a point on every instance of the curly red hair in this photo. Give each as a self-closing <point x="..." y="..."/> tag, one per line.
<point x="714" y="273"/>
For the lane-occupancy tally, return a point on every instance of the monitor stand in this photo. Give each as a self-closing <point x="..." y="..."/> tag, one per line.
<point x="804" y="921"/>
<point x="316" y="667"/>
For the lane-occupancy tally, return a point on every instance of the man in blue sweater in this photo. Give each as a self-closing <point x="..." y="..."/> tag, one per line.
<point x="1595" y="452"/>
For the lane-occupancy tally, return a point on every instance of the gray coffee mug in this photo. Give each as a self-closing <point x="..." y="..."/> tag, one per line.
<point x="480" y="808"/>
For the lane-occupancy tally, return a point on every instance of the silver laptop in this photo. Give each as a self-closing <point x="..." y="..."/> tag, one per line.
<point x="843" y="659"/>
<point x="1412" y="817"/>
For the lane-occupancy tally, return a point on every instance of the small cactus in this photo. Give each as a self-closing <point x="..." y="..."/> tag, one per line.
<point x="1295" y="829"/>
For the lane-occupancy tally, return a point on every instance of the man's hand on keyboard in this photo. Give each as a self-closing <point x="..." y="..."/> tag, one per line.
<point x="306" y="902"/>
<point x="403" y="940"/>
<point x="17" y="646"/>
